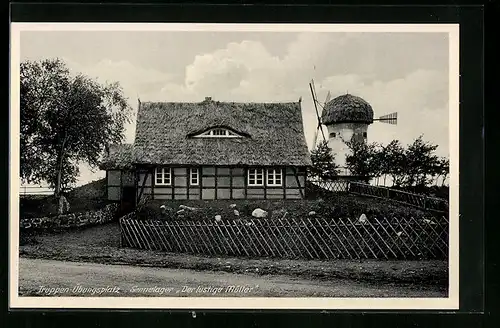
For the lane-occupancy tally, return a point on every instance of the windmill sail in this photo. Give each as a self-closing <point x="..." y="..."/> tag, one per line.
<point x="320" y="127"/>
<point x="315" y="101"/>
<point x="328" y="97"/>
<point x="391" y="118"/>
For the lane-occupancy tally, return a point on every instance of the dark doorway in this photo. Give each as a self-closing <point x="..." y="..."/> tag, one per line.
<point x="128" y="199"/>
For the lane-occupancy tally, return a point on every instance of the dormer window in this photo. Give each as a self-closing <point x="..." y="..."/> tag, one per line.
<point x="218" y="133"/>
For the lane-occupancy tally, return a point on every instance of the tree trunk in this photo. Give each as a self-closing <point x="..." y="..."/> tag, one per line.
<point x="58" y="194"/>
<point x="60" y="202"/>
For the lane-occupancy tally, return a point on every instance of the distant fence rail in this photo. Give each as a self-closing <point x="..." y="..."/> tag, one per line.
<point x="339" y="185"/>
<point x="35" y="190"/>
<point x="38" y="190"/>
<point x="417" y="200"/>
<point x="311" y="238"/>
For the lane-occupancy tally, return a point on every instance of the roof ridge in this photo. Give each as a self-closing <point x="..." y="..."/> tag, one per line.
<point x="223" y="102"/>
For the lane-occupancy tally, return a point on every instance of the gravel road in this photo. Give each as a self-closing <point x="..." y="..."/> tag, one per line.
<point x="39" y="277"/>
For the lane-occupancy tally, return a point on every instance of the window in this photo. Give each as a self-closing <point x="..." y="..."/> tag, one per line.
<point x="194" y="176"/>
<point x="364" y="134"/>
<point x="219" y="132"/>
<point x="163" y="176"/>
<point x="333" y="135"/>
<point x="255" y="177"/>
<point x="274" y="177"/>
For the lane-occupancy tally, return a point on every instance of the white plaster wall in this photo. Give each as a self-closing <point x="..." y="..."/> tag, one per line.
<point x="343" y="133"/>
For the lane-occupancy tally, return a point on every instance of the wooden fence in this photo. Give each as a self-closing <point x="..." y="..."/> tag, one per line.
<point x="417" y="200"/>
<point x="337" y="185"/>
<point x="311" y="238"/>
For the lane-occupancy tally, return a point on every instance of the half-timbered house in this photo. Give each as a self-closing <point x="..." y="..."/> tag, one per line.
<point x="211" y="150"/>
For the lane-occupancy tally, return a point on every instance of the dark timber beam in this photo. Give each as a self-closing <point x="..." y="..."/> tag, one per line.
<point x="144" y="183"/>
<point x="298" y="181"/>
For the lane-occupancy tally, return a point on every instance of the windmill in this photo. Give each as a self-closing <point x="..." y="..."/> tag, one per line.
<point x="391" y="118"/>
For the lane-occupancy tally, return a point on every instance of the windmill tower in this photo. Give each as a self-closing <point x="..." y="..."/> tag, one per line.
<point x="345" y="117"/>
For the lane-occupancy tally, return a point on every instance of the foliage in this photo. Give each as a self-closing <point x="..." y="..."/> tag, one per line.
<point x="416" y="165"/>
<point x="94" y="190"/>
<point x="443" y="169"/>
<point x="421" y="163"/>
<point x="394" y="162"/>
<point x="364" y="159"/>
<point x="32" y="207"/>
<point x="333" y="206"/>
<point x="323" y="162"/>
<point x="65" y="120"/>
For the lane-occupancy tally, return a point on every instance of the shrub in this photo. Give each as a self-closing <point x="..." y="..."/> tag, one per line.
<point x="332" y="207"/>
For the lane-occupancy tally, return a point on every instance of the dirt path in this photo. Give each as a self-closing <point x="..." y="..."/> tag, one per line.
<point x="101" y="245"/>
<point x="123" y="280"/>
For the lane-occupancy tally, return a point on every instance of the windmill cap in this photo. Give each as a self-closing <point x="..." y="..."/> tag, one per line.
<point x="347" y="109"/>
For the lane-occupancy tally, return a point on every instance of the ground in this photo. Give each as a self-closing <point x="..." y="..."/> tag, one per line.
<point x="101" y="245"/>
<point x="336" y="206"/>
<point x="91" y="196"/>
<point x="93" y="256"/>
<point x="42" y="277"/>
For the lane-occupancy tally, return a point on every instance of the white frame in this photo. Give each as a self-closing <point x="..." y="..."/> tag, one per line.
<point x="274" y="174"/>
<point x="164" y="172"/>
<point x="450" y="302"/>
<point x="194" y="171"/>
<point x="254" y="171"/>
<point x="210" y="134"/>
<point x="225" y="134"/>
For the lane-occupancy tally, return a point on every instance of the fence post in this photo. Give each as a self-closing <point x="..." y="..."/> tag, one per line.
<point x="121" y="233"/>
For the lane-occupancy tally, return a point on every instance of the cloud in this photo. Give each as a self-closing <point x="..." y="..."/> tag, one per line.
<point x="246" y="71"/>
<point x="420" y="98"/>
<point x="136" y="81"/>
<point x="393" y="72"/>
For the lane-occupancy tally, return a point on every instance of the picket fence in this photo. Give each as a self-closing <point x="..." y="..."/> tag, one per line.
<point x="310" y="238"/>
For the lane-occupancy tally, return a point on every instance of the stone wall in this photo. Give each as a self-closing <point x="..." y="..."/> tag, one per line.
<point x="71" y="220"/>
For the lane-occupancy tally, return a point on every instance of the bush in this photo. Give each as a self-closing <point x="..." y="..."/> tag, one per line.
<point x="93" y="190"/>
<point x="432" y="191"/>
<point x="335" y="206"/>
<point x="32" y="207"/>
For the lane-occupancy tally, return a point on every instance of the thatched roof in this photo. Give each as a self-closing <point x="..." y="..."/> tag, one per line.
<point x="272" y="134"/>
<point x="118" y="157"/>
<point x="347" y="109"/>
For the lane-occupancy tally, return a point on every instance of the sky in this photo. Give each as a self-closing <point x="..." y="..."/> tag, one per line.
<point x="395" y="72"/>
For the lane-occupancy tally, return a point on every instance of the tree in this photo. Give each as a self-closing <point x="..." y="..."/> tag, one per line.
<point x="323" y="162"/>
<point x="394" y="163"/>
<point x="65" y="120"/>
<point x="421" y="163"/>
<point x="364" y="159"/>
<point x="442" y="170"/>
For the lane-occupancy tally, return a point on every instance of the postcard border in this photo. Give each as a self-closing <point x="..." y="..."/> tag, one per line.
<point x="450" y="303"/>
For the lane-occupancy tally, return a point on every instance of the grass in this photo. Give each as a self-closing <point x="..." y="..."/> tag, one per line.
<point x="335" y="206"/>
<point x="102" y="245"/>
<point x="431" y="191"/>
<point x="89" y="197"/>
